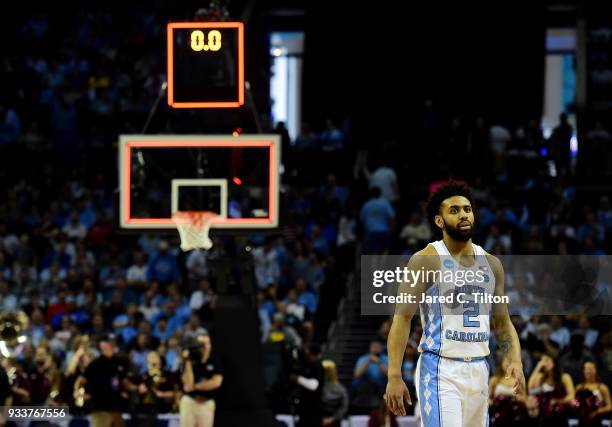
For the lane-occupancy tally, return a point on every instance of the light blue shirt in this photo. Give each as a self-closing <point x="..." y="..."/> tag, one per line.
<point x="376" y="215"/>
<point x="373" y="372"/>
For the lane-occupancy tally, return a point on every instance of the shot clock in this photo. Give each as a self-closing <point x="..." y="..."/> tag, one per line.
<point x="205" y="64"/>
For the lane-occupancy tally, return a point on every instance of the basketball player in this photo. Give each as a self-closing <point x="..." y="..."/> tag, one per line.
<point x="452" y="374"/>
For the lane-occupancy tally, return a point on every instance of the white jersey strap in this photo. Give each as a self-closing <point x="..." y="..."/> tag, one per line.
<point x="478" y="250"/>
<point x="440" y="248"/>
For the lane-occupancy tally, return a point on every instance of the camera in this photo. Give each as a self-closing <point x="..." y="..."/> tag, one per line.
<point x="192" y="350"/>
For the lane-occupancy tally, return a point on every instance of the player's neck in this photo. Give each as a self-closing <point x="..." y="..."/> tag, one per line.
<point x="458" y="248"/>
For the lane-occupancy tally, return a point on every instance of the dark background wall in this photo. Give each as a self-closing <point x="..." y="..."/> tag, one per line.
<point x="381" y="60"/>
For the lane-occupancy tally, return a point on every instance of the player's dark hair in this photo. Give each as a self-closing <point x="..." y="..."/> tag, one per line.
<point x="436" y="198"/>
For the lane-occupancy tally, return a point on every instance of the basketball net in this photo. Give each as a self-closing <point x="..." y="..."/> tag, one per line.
<point x="193" y="228"/>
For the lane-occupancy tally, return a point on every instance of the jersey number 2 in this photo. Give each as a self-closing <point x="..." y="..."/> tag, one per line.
<point x="472" y="311"/>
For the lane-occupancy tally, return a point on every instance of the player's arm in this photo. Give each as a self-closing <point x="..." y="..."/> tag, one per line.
<point x="492" y="384"/>
<point x="397" y="391"/>
<point x="507" y="338"/>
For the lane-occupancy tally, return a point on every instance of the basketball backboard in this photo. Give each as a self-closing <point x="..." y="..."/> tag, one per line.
<point x="236" y="177"/>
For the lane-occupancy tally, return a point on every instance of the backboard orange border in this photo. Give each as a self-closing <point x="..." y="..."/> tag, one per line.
<point x="129" y="142"/>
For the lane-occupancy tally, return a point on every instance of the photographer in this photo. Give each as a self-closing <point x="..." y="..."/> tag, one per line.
<point x="201" y="377"/>
<point x="310" y="379"/>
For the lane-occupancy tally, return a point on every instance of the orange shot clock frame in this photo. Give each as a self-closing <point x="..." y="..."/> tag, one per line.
<point x="202" y="41"/>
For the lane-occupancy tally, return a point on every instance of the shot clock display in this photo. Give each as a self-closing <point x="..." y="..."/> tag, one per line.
<point x="205" y="64"/>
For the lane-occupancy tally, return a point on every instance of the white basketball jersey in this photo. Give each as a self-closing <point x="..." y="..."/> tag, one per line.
<point x="459" y="328"/>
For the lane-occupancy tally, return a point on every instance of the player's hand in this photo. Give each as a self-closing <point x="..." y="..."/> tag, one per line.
<point x="395" y="396"/>
<point x="142" y="389"/>
<point x="188" y="388"/>
<point x="515" y="371"/>
<point x="327" y="421"/>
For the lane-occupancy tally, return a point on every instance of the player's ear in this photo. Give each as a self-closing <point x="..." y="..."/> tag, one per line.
<point x="439" y="221"/>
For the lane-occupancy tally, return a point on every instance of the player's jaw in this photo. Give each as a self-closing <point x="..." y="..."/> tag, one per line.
<point x="461" y="232"/>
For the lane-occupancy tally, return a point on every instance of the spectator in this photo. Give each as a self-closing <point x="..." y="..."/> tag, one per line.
<point x="384" y="178"/>
<point x="60" y="307"/>
<point x="54" y="274"/>
<point x="377" y="216"/>
<point x="560" y="142"/>
<point x="8" y="301"/>
<point x="264" y="316"/>
<point x="173" y="354"/>
<point x="99" y="232"/>
<point x="74" y="229"/>
<point x="332" y="138"/>
<point x="137" y="273"/>
<point x="500" y="137"/>
<point x="10" y="126"/>
<point x="335" y="396"/>
<point x="123" y="326"/>
<point x="559" y="333"/>
<point x="6" y="272"/>
<point x="149" y="244"/>
<point x="280" y="332"/>
<point x="197" y="268"/>
<point x="545" y="345"/>
<point x="266" y="265"/>
<point x="591" y="228"/>
<point x="36" y="328"/>
<point x="584" y="328"/>
<point x="296" y="312"/>
<point x="163" y="267"/>
<point x="281" y="129"/>
<point x="193" y="328"/>
<point x="149" y="307"/>
<point x="140" y="352"/>
<point x="315" y="276"/>
<point x="202" y="297"/>
<point x="161" y="331"/>
<point x="416" y="232"/>
<point x="497" y="237"/>
<point x="575" y="356"/>
<point x="347" y="229"/>
<point x="307" y="139"/>
<point x="370" y="377"/>
<point x="306" y="297"/>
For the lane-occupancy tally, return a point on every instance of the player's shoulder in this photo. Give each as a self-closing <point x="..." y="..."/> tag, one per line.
<point x="425" y="258"/>
<point x="494" y="262"/>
